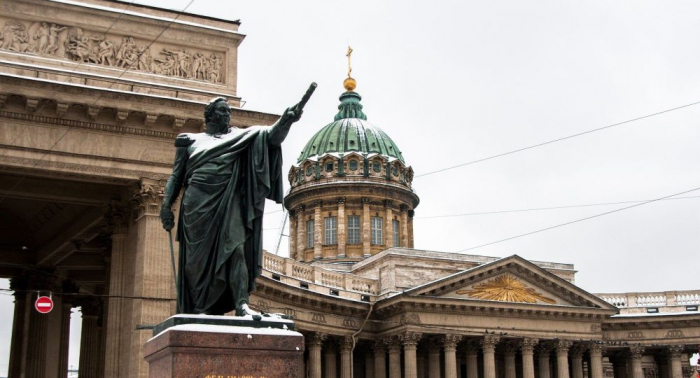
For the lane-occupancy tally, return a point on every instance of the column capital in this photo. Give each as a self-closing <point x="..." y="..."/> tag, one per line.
<point x="471" y="346"/>
<point x="366" y="200"/>
<point x="450" y="340"/>
<point x="345" y="343"/>
<point x="388" y="203"/>
<point x="527" y="345"/>
<point x="341" y="200"/>
<point x="392" y="343"/>
<point x="89" y="306"/>
<point x="636" y="352"/>
<point x="577" y="350"/>
<point x="563" y="346"/>
<point x="488" y="343"/>
<point x="544" y="349"/>
<point x="378" y="347"/>
<point x="116" y="218"/>
<point x="596" y="348"/>
<point x="675" y="351"/>
<point x="410" y="338"/>
<point x="317" y="203"/>
<point x="511" y="347"/>
<point x="316" y="339"/>
<point x="300" y="208"/>
<point x="148" y="199"/>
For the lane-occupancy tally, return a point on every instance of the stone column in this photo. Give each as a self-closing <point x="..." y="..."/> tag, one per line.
<point x="434" y="359"/>
<point x="472" y="358"/>
<point x="420" y="363"/>
<point x="509" y="355"/>
<point x="404" y="226"/>
<point x="37" y="328"/>
<point x="342" y="229"/>
<point x="488" y="348"/>
<point x="449" y="344"/>
<point x="301" y="234"/>
<point x="314" y="342"/>
<point x="17" y="346"/>
<point x="150" y="274"/>
<point x="379" y="359"/>
<point x="636" y="354"/>
<point x="410" y="343"/>
<point x="595" y="350"/>
<point x="459" y="364"/>
<point x="369" y="364"/>
<point x="66" y="307"/>
<point x="118" y="220"/>
<point x="318" y="231"/>
<point x="562" y="347"/>
<point x="394" y="348"/>
<point x="674" y="356"/>
<point x="388" y="229"/>
<point x="330" y="356"/>
<point x="366" y="228"/>
<point x="409" y="228"/>
<point x="292" y="232"/>
<point x="527" y="346"/>
<point x="89" y="338"/>
<point x="543" y="352"/>
<point x="577" y="361"/>
<point x="346" y="369"/>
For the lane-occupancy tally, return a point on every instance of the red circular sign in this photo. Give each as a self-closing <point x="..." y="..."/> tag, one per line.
<point x="44" y="305"/>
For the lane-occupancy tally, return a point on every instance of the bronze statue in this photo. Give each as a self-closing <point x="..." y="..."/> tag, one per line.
<point x="227" y="174"/>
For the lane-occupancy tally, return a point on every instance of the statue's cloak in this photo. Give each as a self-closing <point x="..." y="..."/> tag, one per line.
<point x="221" y="210"/>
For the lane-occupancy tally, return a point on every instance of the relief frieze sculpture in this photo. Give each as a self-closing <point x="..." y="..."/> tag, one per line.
<point x="125" y="52"/>
<point x="506" y="288"/>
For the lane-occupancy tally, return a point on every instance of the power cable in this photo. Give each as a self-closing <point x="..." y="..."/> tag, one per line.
<point x="545" y="208"/>
<point x="556" y="140"/>
<point x="141" y="51"/>
<point x="578" y="220"/>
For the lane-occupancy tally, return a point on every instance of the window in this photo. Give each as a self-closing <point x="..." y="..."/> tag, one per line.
<point x="331" y="230"/>
<point x="377" y="238"/>
<point x="309" y="170"/>
<point x="354" y="229"/>
<point x="395" y="232"/>
<point x="395" y="171"/>
<point x="329" y="167"/>
<point x="309" y="234"/>
<point x="377" y="166"/>
<point x="353" y="165"/>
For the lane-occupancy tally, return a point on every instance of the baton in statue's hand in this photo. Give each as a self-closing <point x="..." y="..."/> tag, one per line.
<point x="307" y="96"/>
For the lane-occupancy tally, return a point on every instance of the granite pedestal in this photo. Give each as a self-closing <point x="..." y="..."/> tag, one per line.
<point x="266" y="348"/>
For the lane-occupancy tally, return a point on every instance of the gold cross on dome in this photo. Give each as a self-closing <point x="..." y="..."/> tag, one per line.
<point x="348" y="55"/>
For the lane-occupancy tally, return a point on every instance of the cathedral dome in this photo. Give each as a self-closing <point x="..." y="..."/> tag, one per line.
<point x="351" y="194"/>
<point x="350" y="131"/>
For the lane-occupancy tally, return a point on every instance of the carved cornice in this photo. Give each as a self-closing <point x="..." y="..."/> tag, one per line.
<point x="21" y="164"/>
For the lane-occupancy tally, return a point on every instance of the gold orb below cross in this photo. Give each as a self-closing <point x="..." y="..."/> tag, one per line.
<point x="350" y="84"/>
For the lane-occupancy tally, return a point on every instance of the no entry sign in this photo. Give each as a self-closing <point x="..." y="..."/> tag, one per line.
<point x="44" y="305"/>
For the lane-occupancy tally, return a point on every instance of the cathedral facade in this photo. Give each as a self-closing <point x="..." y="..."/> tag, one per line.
<point x="92" y="96"/>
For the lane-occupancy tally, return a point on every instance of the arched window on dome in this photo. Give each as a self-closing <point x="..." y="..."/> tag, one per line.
<point x="353" y="165"/>
<point x="377" y="166"/>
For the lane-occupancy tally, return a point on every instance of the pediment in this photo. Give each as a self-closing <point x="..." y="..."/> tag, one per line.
<point x="511" y="279"/>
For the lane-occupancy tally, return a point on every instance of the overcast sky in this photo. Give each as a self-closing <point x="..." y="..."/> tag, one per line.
<point x="456" y="81"/>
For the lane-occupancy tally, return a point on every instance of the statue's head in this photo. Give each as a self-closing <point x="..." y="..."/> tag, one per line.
<point x="217" y="115"/>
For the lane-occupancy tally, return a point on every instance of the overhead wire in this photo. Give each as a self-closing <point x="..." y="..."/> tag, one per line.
<point x="544" y="208"/>
<point x="557" y="140"/>
<point x="579" y="220"/>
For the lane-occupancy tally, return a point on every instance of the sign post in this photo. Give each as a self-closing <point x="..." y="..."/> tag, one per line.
<point x="43" y="304"/>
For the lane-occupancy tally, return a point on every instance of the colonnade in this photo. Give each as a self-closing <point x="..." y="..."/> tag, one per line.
<point x="414" y="355"/>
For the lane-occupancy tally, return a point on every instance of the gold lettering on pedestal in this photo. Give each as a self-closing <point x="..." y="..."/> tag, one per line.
<point x="506" y="288"/>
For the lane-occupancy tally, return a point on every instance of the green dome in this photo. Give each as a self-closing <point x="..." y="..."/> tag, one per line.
<point x="350" y="132"/>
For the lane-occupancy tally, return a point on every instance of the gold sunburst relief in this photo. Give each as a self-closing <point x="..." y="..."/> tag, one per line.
<point x="506" y="288"/>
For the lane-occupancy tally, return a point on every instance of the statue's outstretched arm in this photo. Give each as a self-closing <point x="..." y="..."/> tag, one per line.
<point x="278" y="132"/>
